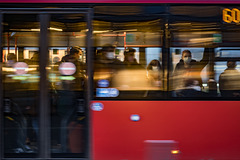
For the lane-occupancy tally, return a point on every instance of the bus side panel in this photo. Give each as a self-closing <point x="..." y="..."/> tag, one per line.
<point x="203" y="129"/>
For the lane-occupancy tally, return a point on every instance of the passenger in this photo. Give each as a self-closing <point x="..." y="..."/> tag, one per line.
<point x="154" y="73"/>
<point x="190" y="68"/>
<point x="229" y="81"/>
<point x="106" y="67"/>
<point x="130" y="61"/>
<point x="66" y="97"/>
<point x="74" y="57"/>
<point x="11" y="59"/>
<point x="192" y="89"/>
<point x="106" y="58"/>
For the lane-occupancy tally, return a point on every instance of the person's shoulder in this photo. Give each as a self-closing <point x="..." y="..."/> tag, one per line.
<point x="180" y="62"/>
<point x="117" y="61"/>
<point x="193" y="61"/>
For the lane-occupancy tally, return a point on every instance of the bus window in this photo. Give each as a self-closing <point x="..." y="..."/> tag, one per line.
<point x="128" y="61"/>
<point x="67" y="73"/>
<point x="20" y="85"/>
<point x="227" y="72"/>
<point x="190" y="69"/>
<point x="127" y="77"/>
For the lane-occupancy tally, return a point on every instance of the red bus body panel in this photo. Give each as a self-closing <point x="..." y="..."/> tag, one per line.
<point x="123" y="1"/>
<point x="203" y="129"/>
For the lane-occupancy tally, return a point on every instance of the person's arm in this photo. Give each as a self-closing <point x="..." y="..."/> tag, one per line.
<point x="178" y="67"/>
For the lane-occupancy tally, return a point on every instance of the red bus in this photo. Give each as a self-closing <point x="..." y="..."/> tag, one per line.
<point x="120" y="80"/>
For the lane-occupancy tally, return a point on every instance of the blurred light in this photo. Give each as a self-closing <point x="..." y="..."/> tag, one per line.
<point x="31" y="69"/>
<point x="200" y="40"/>
<point x="12" y="34"/>
<point x="204" y="85"/>
<point x="66" y="78"/>
<point x="101" y="31"/>
<point x="7" y="69"/>
<point x="51" y="28"/>
<point x="19" y="78"/>
<point x="175" y="151"/>
<point x="35" y="30"/>
<point x="135" y="117"/>
<point x="55" y="29"/>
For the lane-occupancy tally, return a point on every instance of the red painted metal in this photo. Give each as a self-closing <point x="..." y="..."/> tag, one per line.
<point x="203" y="129"/>
<point x="123" y="1"/>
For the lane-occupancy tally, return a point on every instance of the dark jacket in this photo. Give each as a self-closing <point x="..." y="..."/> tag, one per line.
<point x="106" y="69"/>
<point x="132" y="65"/>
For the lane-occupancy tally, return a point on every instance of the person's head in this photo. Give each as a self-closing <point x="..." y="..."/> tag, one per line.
<point x="154" y="65"/>
<point x="76" y="52"/>
<point x="231" y="64"/>
<point x="108" y="51"/>
<point x="186" y="56"/>
<point x="11" y="56"/>
<point x="129" y="55"/>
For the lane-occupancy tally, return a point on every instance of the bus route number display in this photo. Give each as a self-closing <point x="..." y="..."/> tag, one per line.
<point x="231" y="15"/>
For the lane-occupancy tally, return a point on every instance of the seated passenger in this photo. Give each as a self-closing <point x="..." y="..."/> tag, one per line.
<point x="130" y="61"/>
<point x="154" y="73"/>
<point x="106" y="58"/>
<point x="192" y="89"/>
<point x="11" y="59"/>
<point x="106" y="65"/>
<point x="229" y="81"/>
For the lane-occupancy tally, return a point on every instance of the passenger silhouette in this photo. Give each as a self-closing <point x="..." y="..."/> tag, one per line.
<point x="229" y="81"/>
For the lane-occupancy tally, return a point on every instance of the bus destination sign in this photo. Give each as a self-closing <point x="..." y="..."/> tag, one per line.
<point x="231" y="15"/>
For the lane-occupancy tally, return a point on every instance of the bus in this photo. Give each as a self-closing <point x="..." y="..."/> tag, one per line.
<point x="120" y="80"/>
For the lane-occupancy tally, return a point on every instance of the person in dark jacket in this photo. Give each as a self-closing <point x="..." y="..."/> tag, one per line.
<point x="106" y="65"/>
<point x="190" y="68"/>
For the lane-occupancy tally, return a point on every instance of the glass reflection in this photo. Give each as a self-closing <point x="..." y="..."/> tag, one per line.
<point x="20" y="82"/>
<point x="67" y="73"/>
<point x="190" y="74"/>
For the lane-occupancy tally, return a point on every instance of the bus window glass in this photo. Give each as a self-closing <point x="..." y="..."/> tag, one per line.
<point x="67" y="72"/>
<point x="227" y="52"/>
<point x="128" y="62"/>
<point x="20" y="85"/>
<point x="227" y="72"/>
<point x="194" y="36"/>
<point x="190" y="70"/>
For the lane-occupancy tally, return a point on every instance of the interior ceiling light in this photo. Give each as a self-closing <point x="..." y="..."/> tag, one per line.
<point x="38" y="30"/>
<point x="55" y="29"/>
<point x="101" y="31"/>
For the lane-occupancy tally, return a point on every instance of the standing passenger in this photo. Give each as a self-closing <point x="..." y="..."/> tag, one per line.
<point x="190" y="68"/>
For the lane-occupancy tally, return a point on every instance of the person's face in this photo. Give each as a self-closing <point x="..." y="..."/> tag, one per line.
<point x="110" y="54"/>
<point x="131" y="57"/>
<point x="186" y="55"/>
<point x="77" y="55"/>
